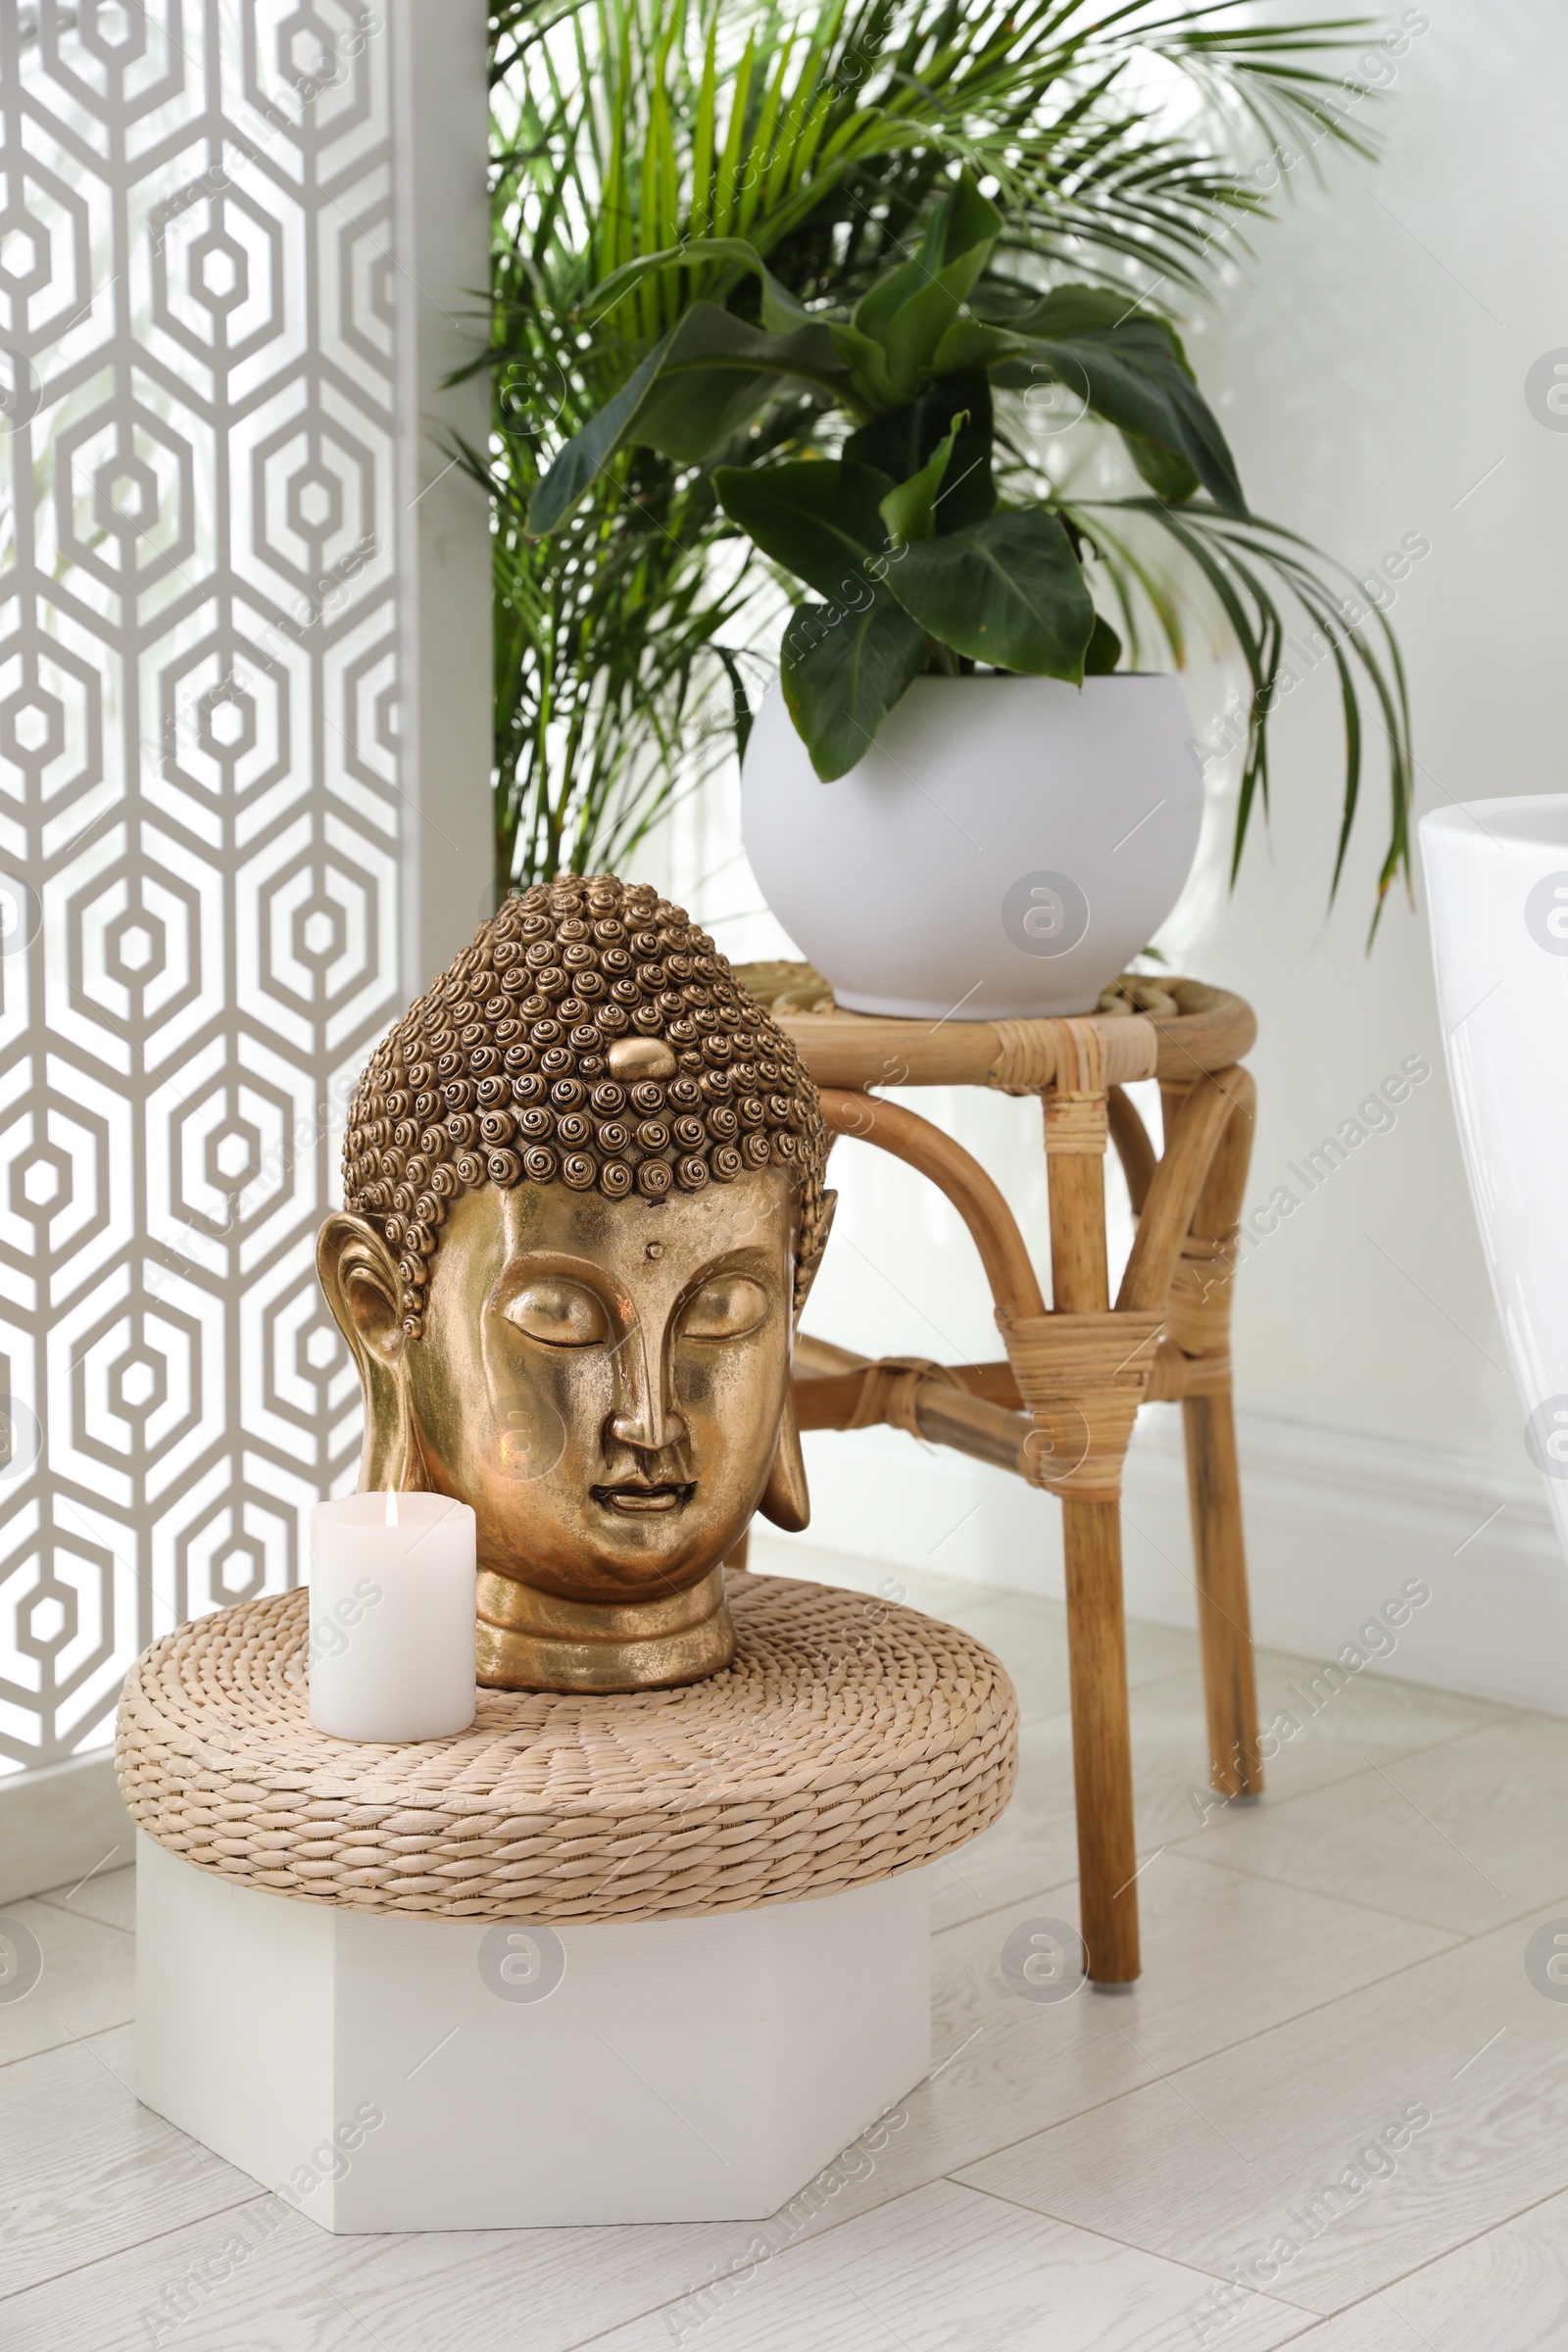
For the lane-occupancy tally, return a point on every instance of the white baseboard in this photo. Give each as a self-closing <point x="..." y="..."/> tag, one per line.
<point x="1335" y="1523"/>
<point x="59" y="1822"/>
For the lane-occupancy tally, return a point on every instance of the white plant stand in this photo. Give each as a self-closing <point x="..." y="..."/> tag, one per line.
<point x="369" y="2067"/>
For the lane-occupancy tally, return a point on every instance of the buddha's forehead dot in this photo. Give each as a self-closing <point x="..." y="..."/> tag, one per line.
<point x="654" y="1249"/>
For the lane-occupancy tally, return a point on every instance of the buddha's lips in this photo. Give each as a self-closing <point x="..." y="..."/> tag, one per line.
<point x="640" y="1499"/>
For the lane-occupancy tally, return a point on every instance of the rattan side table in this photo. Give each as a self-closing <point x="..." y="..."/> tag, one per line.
<point x="1059" y="1408"/>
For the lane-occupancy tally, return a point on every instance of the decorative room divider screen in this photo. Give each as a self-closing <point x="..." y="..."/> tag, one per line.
<point x="199" y="800"/>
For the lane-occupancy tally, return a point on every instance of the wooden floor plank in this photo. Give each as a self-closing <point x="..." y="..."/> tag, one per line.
<point x="87" y="1984"/>
<point x="1269" y="2141"/>
<point x="1035" y="1842"/>
<point x="943" y="2271"/>
<point x="1507" y="2288"/>
<point x="85" y="2170"/>
<point x="1465" y="1833"/>
<point x="108" y="1894"/>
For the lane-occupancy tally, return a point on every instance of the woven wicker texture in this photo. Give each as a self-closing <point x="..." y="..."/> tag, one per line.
<point x="850" y="1739"/>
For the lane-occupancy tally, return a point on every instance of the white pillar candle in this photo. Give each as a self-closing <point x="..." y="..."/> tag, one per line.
<point x="392" y="1617"/>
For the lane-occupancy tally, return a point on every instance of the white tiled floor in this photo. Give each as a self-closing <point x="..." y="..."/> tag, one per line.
<point x="1342" y="1964"/>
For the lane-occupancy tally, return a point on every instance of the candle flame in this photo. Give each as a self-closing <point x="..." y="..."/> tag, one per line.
<point x="391" y="1507"/>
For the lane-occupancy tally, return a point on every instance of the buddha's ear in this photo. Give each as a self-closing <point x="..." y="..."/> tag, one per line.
<point x="360" y="1277"/>
<point x="363" y="1289"/>
<point x="785" y="1498"/>
<point x="807" y="1271"/>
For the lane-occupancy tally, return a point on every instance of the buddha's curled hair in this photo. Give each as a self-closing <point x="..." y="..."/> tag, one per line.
<point x="500" y="1074"/>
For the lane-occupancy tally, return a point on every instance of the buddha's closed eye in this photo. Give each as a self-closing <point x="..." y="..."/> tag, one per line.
<point x="725" y="1308"/>
<point x="560" y="1313"/>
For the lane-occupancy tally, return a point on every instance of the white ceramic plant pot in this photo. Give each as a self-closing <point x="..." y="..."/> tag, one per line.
<point x="1497" y="883"/>
<point x="1003" y="850"/>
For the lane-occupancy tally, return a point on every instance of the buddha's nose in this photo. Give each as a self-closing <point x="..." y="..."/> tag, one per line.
<point x="645" y="1418"/>
<point x="650" y="1427"/>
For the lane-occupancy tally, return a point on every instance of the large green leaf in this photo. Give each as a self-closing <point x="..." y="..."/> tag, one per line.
<point x="919" y="324"/>
<point x="1008" y="591"/>
<point x="588" y="452"/>
<point x="954" y="248"/>
<point x="1073" y="311"/>
<point x="910" y="310"/>
<point x="866" y="358"/>
<point x="842" y="673"/>
<point x="716" y="370"/>
<point x="905" y="440"/>
<point x="970" y="343"/>
<point x="861" y="357"/>
<point x="1103" y="650"/>
<point x="1132" y="370"/>
<point x="818" y="516"/>
<point x="876" y="310"/>
<point x="898" y="323"/>
<point x="692" y="392"/>
<point x="963" y="228"/>
<point x="908" y="510"/>
<point x="1169" y="475"/>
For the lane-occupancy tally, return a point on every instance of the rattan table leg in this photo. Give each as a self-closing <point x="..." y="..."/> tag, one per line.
<point x="1102" y="1739"/>
<point x="1097" y="1634"/>
<point x="1224" y="1623"/>
<point x="1079" y="1281"/>
<point x="1200" y="1322"/>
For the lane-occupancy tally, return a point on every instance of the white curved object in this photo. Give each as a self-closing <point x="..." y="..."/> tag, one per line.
<point x="1497" y="883"/>
<point x="1003" y="850"/>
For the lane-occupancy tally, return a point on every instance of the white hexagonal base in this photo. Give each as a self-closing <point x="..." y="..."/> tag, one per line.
<point x="681" y="2070"/>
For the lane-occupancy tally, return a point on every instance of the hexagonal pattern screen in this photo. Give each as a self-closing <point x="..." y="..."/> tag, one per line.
<point x="198" y="803"/>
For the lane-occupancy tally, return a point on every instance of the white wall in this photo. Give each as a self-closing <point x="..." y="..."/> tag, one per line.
<point x="1371" y="371"/>
<point x="1369" y="366"/>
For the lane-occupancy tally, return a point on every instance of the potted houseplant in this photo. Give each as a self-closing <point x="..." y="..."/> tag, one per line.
<point x="1011" y="817"/>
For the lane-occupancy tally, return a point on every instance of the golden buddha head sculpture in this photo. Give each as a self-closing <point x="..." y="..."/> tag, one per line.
<point x="583" y="1206"/>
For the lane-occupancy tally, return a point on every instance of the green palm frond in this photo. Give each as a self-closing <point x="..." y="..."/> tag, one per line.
<point x="1248" y="566"/>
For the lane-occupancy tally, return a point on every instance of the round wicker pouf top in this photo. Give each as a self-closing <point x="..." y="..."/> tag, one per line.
<point x="849" y="1738"/>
